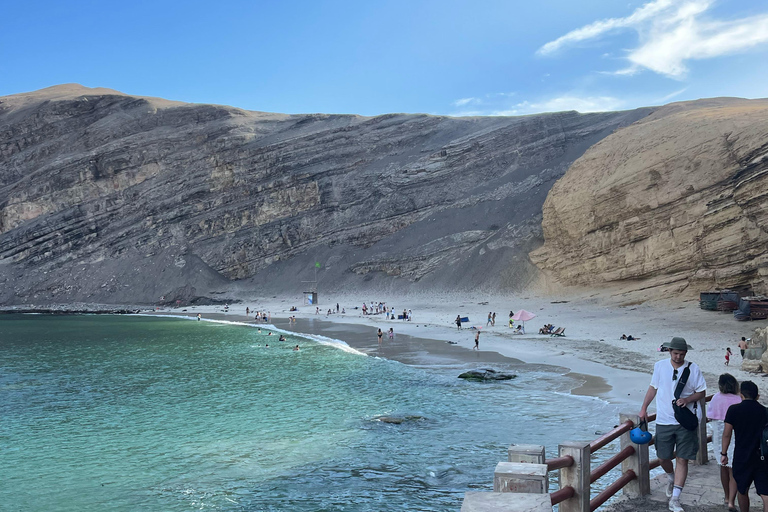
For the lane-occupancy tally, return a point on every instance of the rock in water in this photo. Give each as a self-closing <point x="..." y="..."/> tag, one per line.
<point x="486" y="374"/>
<point x="397" y="420"/>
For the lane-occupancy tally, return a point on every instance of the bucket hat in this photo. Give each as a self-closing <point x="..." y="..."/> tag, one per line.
<point x="677" y="343"/>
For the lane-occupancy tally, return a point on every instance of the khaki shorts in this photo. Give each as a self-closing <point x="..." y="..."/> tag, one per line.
<point x="671" y="438"/>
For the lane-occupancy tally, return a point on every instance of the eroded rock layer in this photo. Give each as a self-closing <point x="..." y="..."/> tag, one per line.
<point x="114" y="198"/>
<point x="676" y="201"/>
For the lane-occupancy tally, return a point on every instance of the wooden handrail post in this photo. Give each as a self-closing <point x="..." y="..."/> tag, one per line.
<point x="703" y="457"/>
<point x="577" y="476"/>
<point x="530" y="453"/>
<point x="639" y="462"/>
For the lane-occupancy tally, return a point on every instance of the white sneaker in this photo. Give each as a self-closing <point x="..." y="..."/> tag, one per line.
<point x="670" y="488"/>
<point x="674" y="505"/>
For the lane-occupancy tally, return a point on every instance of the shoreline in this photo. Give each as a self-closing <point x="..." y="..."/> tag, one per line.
<point x="593" y="379"/>
<point x="611" y="369"/>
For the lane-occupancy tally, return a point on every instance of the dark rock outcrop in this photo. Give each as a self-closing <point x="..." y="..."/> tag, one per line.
<point x="486" y="374"/>
<point x="106" y="197"/>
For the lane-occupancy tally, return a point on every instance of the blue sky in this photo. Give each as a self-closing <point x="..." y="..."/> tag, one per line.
<point x="481" y="57"/>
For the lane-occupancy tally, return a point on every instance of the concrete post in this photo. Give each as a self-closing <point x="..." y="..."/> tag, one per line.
<point x="703" y="456"/>
<point x="498" y="501"/>
<point x="639" y="462"/>
<point x="577" y="476"/>
<point x="520" y="477"/>
<point x="530" y="453"/>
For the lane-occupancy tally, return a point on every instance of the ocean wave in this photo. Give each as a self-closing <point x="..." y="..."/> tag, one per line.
<point x="317" y="338"/>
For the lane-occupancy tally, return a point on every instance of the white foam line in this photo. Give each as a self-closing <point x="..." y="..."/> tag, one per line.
<point x="318" y="338"/>
<point x="586" y="398"/>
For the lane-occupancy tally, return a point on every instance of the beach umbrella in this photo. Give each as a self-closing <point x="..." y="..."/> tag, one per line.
<point x="523" y="316"/>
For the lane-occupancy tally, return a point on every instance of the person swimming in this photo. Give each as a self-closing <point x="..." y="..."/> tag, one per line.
<point x="296" y="348"/>
<point x="282" y="338"/>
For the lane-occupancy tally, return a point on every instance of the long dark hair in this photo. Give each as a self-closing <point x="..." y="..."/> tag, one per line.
<point x="728" y="384"/>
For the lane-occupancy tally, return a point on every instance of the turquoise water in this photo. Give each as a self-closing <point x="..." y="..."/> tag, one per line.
<point x="138" y="413"/>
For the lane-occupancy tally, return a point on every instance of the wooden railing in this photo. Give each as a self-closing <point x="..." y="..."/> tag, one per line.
<point x="527" y="471"/>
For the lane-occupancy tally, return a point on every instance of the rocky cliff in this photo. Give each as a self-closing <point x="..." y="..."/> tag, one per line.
<point x="114" y="198"/>
<point x="676" y="202"/>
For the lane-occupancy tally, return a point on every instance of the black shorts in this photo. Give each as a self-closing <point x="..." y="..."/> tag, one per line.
<point x="756" y="472"/>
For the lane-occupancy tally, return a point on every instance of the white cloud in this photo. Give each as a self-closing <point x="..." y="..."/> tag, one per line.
<point x="672" y="32"/>
<point x="464" y="101"/>
<point x="557" y="104"/>
<point x="669" y="96"/>
<point x="571" y="102"/>
<point x="602" y="26"/>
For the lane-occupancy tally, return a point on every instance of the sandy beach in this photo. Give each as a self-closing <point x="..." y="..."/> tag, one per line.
<point x="614" y="369"/>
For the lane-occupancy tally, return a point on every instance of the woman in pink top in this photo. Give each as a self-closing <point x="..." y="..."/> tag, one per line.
<point x="728" y="395"/>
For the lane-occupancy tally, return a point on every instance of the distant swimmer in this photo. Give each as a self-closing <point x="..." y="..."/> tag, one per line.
<point x="199" y="316"/>
<point x="269" y="333"/>
<point x="266" y="346"/>
<point x="282" y="338"/>
<point x="296" y="348"/>
<point x="259" y="330"/>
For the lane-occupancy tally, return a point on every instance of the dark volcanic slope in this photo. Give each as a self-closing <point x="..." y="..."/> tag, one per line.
<point x="113" y="198"/>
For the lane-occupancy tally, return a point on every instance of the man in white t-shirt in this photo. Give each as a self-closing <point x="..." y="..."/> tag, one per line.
<point x="670" y="435"/>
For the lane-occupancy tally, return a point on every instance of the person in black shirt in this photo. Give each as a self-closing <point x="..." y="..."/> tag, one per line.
<point x="746" y="420"/>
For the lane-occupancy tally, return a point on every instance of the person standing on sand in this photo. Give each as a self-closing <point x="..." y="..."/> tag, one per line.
<point x="490" y="317"/>
<point x="718" y="407"/>
<point x="747" y="420"/>
<point x="380" y="334"/>
<point x="477" y="341"/>
<point x="458" y="321"/>
<point x="493" y="319"/>
<point x="743" y="346"/>
<point x="199" y="316"/>
<point x="673" y="441"/>
<point x="728" y="355"/>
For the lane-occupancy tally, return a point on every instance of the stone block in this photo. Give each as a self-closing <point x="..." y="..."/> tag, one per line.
<point x="520" y="478"/>
<point x="530" y="453"/>
<point x="507" y="502"/>
<point x="752" y="365"/>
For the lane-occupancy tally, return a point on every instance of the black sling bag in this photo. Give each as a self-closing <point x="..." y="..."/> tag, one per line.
<point x="684" y="415"/>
